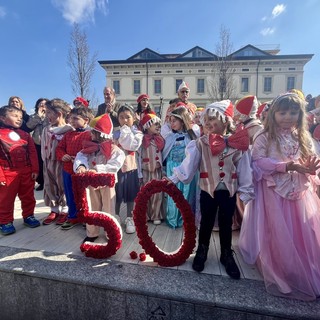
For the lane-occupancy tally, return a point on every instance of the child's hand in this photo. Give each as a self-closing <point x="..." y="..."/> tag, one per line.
<point x="166" y="179"/>
<point x="81" y="169"/>
<point x="34" y="176"/>
<point x="92" y="170"/>
<point x="311" y="163"/>
<point x="66" y="158"/>
<point x="2" y="183"/>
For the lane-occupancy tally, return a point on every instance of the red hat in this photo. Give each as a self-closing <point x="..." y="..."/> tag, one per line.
<point x="247" y="106"/>
<point x="223" y="108"/>
<point x="148" y="120"/>
<point x="83" y="101"/>
<point x="263" y="107"/>
<point x="103" y="124"/>
<point x="142" y="96"/>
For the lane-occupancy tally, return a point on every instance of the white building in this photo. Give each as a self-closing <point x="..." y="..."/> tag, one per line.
<point x="263" y="73"/>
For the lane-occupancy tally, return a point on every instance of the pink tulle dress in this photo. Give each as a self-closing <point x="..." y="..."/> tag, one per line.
<point x="280" y="231"/>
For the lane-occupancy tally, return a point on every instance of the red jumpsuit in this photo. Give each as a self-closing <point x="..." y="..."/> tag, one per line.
<point x="18" y="160"/>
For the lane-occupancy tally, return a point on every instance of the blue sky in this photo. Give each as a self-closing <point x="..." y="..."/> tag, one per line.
<point x="35" y="34"/>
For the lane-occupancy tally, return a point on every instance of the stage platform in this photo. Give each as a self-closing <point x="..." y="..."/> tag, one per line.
<point x="44" y="275"/>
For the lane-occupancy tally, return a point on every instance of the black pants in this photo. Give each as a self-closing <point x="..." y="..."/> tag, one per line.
<point x="225" y="206"/>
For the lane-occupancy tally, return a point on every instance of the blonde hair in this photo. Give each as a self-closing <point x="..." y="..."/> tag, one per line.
<point x="289" y="101"/>
<point x="22" y="107"/>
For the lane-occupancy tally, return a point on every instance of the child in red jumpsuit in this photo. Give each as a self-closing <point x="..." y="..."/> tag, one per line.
<point x="18" y="170"/>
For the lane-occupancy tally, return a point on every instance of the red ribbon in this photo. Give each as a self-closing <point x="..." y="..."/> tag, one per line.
<point x="91" y="147"/>
<point x="147" y="138"/>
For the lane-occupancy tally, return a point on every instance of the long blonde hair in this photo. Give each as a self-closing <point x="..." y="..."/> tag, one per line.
<point x="289" y="101"/>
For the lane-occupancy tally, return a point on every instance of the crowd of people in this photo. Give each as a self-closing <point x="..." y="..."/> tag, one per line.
<point x="250" y="164"/>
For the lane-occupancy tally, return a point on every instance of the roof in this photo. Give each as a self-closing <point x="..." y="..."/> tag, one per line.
<point x="248" y="52"/>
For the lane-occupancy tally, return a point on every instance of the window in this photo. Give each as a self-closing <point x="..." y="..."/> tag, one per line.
<point x="267" y="84"/>
<point x="178" y="82"/>
<point x="244" y="84"/>
<point x="290" y="83"/>
<point x="292" y="69"/>
<point x="157" y="86"/>
<point x="267" y="69"/>
<point x="136" y="87"/>
<point x="200" y="86"/>
<point x="158" y="71"/>
<point x="222" y="84"/>
<point x="136" y="72"/>
<point x="178" y="71"/>
<point x="116" y="86"/>
<point x="245" y="69"/>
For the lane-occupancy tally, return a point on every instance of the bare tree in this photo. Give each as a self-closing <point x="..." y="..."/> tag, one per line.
<point x="221" y="86"/>
<point x="82" y="66"/>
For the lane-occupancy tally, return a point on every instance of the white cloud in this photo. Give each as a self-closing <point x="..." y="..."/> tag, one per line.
<point x="77" y="11"/>
<point x="267" y="31"/>
<point x="277" y="10"/>
<point x="3" y="12"/>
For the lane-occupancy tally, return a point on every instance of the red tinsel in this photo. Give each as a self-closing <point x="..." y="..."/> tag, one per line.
<point x="111" y="226"/>
<point x="140" y="220"/>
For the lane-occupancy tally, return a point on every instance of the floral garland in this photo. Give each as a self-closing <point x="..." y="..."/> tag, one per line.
<point x="111" y="226"/>
<point x="140" y="219"/>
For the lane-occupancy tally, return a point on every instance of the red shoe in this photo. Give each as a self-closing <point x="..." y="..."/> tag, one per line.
<point x="62" y="218"/>
<point x="50" y="218"/>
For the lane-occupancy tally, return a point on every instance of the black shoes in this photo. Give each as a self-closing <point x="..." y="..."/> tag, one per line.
<point x="200" y="258"/>
<point x="230" y="265"/>
<point x="89" y="239"/>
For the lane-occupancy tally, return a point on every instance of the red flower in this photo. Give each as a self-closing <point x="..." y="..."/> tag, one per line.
<point x="142" y="256"/>
<point x="133" y="255"/>
<point x="222" y="174"/>
<point x="221" y="163"/>
<point x="140" y="219"/>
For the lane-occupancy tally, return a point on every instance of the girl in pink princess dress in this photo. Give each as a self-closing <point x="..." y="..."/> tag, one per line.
<point x="280" y="231"/>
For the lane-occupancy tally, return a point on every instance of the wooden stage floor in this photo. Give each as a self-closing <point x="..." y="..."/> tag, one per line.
<point x="52" y="238"/>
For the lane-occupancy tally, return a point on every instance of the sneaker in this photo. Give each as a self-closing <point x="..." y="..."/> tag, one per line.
<point x="130" y="228"/>
<point x="7" y="228"/>
<point x="229" y="263"/>
<point x="63" y="217"/>
<point x="156" y="222"/>
<point x="200" y="258"/>
<point x="69" y="224"/>
<point x="53" y="216"/>
<point x="31" y="222"/>
<point x="89" y="239"/>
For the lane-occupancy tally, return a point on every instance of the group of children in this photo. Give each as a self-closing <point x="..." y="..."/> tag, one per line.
<point x="220" y="157"/>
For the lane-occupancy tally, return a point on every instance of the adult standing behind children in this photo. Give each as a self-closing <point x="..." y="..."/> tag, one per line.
<point x="18" y="170"/>
<point x="56" y="111"/>
<point x="110" y="106"/>
<point x="183" y="94"/>
<point x="66" y="151"/>
<point x="36" y="123"/>
<point x="280" y="230"/>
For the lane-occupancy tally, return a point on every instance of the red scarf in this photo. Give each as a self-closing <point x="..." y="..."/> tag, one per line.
<point x="147" y="138"/>
<point x="239" y="141"/>
<point x="91" y="147"/>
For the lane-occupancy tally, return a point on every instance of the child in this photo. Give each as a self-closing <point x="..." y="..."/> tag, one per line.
<point x="56" y="112"/>
<point x="281" y="227"/>
<point x="67" y="149"/>
<point x="245" y="114"/>
<point x="99" y="155"/>
<point x="129" y="139"/>
<point x="174" y="153"/>
<point x="224" y="170"/>
<point x="150" y="161"/>
<point x="18" y="170"/>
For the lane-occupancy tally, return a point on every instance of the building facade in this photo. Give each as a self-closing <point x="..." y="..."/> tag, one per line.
<point x="248" y="70"/>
